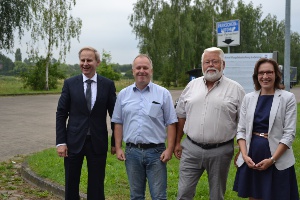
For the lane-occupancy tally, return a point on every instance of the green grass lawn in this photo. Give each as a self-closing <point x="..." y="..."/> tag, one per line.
<point x="48" y="165"/>
<point x="11" y="85"/>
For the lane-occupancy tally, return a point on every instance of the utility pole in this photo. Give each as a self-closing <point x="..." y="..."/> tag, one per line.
<point x="287" y="46"/>
<point x="213" y="31"/>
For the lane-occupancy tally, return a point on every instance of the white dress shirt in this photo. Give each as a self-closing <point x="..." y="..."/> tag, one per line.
<point x="93" y="88"/>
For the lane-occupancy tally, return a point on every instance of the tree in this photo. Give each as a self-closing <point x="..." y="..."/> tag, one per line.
<point x="20" y="67"/>
<point x="164" y="32"/>
<point x="250" y="19"/>
<point x="175" y="32"/>
<point x="105" y="68"/>
<point x="272" y="30"/>
<point x="18" y="55"/>
<point x="6" y="65"/>
<point x="54" y="26"/>
<point x="14" y="16"/>
<point x="34" y="76"/>
<point x="295" y="49"/>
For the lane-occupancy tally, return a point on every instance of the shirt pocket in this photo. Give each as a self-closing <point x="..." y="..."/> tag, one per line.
<point x="155" y="109"/>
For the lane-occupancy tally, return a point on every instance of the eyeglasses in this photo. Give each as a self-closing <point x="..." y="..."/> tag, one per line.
<point x="268" y="73"/>
<point x="214" y="62"/>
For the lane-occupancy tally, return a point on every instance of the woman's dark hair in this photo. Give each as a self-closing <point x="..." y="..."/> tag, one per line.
<point x="278" y="74"/>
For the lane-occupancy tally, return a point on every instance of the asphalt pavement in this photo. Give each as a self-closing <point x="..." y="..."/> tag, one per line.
<point x="27" y="123"/>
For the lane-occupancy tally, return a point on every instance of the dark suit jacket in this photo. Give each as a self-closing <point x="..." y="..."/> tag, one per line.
<point x="72" y="106"/>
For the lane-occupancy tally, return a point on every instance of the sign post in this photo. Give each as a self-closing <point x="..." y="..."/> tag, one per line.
<point x="228" y="33"/>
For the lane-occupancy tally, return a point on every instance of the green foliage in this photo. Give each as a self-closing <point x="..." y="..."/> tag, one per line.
<point x="105" y="68"/>
<point x="18" y="55"/>
<point x="6" y="65"/>
<point x="20" y="67"/>
<point x="128" y="74"/>
<point x="14" y="17"/>
<point x="53" y="25"/>
<point x="174" y="33"/>
<point x="12" y="85"/>
<point x="35" y="78"/>
<point x="121" y="68"/>
<point x="108" y="72"/>
<point x="70" y="70"/>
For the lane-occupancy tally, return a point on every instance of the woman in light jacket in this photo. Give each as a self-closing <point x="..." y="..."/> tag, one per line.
<point x="266" y="131"/>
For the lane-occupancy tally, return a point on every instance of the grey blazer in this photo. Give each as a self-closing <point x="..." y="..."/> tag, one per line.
<point x="282" y="124"/>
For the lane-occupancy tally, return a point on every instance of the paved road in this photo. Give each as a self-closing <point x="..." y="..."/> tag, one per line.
<point x="27" y="123"/>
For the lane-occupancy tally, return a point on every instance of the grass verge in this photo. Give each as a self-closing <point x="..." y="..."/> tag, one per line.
<point x="11" y="85"/>
<point x="12" y="186"/>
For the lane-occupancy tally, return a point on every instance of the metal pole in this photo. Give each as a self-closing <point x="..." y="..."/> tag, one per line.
<point x="213" y="31"/>
<point x="287" y="46"/>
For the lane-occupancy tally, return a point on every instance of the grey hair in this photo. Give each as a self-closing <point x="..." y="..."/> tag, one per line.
<point x="214" y="49"/>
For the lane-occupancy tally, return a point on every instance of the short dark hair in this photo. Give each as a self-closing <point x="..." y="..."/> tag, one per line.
<point x="278" y="74"/>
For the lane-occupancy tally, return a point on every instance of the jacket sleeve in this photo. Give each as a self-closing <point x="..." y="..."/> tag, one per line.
<point x="62" y="114"/>
<point x="111" y="105"/>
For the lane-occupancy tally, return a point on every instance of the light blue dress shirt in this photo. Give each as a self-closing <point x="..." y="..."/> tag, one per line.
<point x="144" y="114"/>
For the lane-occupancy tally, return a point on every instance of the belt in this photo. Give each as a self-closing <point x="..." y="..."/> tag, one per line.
<point x="207" y="145"/>
<point x="264" y="135"/>
<point x="145" y="146"/>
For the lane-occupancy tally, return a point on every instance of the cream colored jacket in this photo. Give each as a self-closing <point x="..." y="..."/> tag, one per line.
<point x="282" y="124"/>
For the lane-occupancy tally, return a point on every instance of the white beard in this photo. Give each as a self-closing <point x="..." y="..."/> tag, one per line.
<point x="213" y="76"/>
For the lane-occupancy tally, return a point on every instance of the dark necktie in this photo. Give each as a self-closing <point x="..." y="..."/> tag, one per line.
<point x="88" y="94"/>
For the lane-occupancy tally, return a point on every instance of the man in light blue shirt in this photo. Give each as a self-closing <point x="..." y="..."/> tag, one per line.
<point x="142" y="112"/>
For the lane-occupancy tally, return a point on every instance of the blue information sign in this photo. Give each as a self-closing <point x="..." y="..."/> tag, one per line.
<point x="228" y="33"/>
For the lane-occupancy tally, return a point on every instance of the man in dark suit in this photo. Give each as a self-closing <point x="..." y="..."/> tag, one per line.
<point x="81" y="128"/>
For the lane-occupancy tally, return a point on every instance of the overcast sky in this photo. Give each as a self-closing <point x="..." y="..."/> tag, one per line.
<point x="106" y="26"/>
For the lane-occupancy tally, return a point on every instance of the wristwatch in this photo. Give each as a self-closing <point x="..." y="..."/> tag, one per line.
<point x="273" y="160"/>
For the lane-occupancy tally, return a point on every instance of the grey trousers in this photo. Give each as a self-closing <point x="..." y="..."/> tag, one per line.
<point x="195" y="160"/>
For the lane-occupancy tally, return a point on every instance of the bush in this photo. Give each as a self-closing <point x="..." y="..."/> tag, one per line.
<point x="35" y="76"/>
<point x="108" y="72"/>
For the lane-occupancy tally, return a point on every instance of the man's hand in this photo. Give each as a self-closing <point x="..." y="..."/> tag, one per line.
<point x="62" y="151"/>
<point x="166" y="156"/>
<point x="120" y="154"/>
<point x="178" y="150"/>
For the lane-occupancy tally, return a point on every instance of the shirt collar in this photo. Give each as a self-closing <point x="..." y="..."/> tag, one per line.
<point x="147" y="88"/>
<point x="216" y="82"/>
<point x="94" y="78"/>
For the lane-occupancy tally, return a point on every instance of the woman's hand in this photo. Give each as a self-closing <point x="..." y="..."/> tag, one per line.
<point x="264" y="164"/>
<point x="249" y="162"/>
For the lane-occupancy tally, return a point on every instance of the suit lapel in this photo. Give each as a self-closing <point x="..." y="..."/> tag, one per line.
<point x="252" y="106"/>
<point x="274" y="108"/>
<point x="99" y="90"/>
<point x="81" y="95"/>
